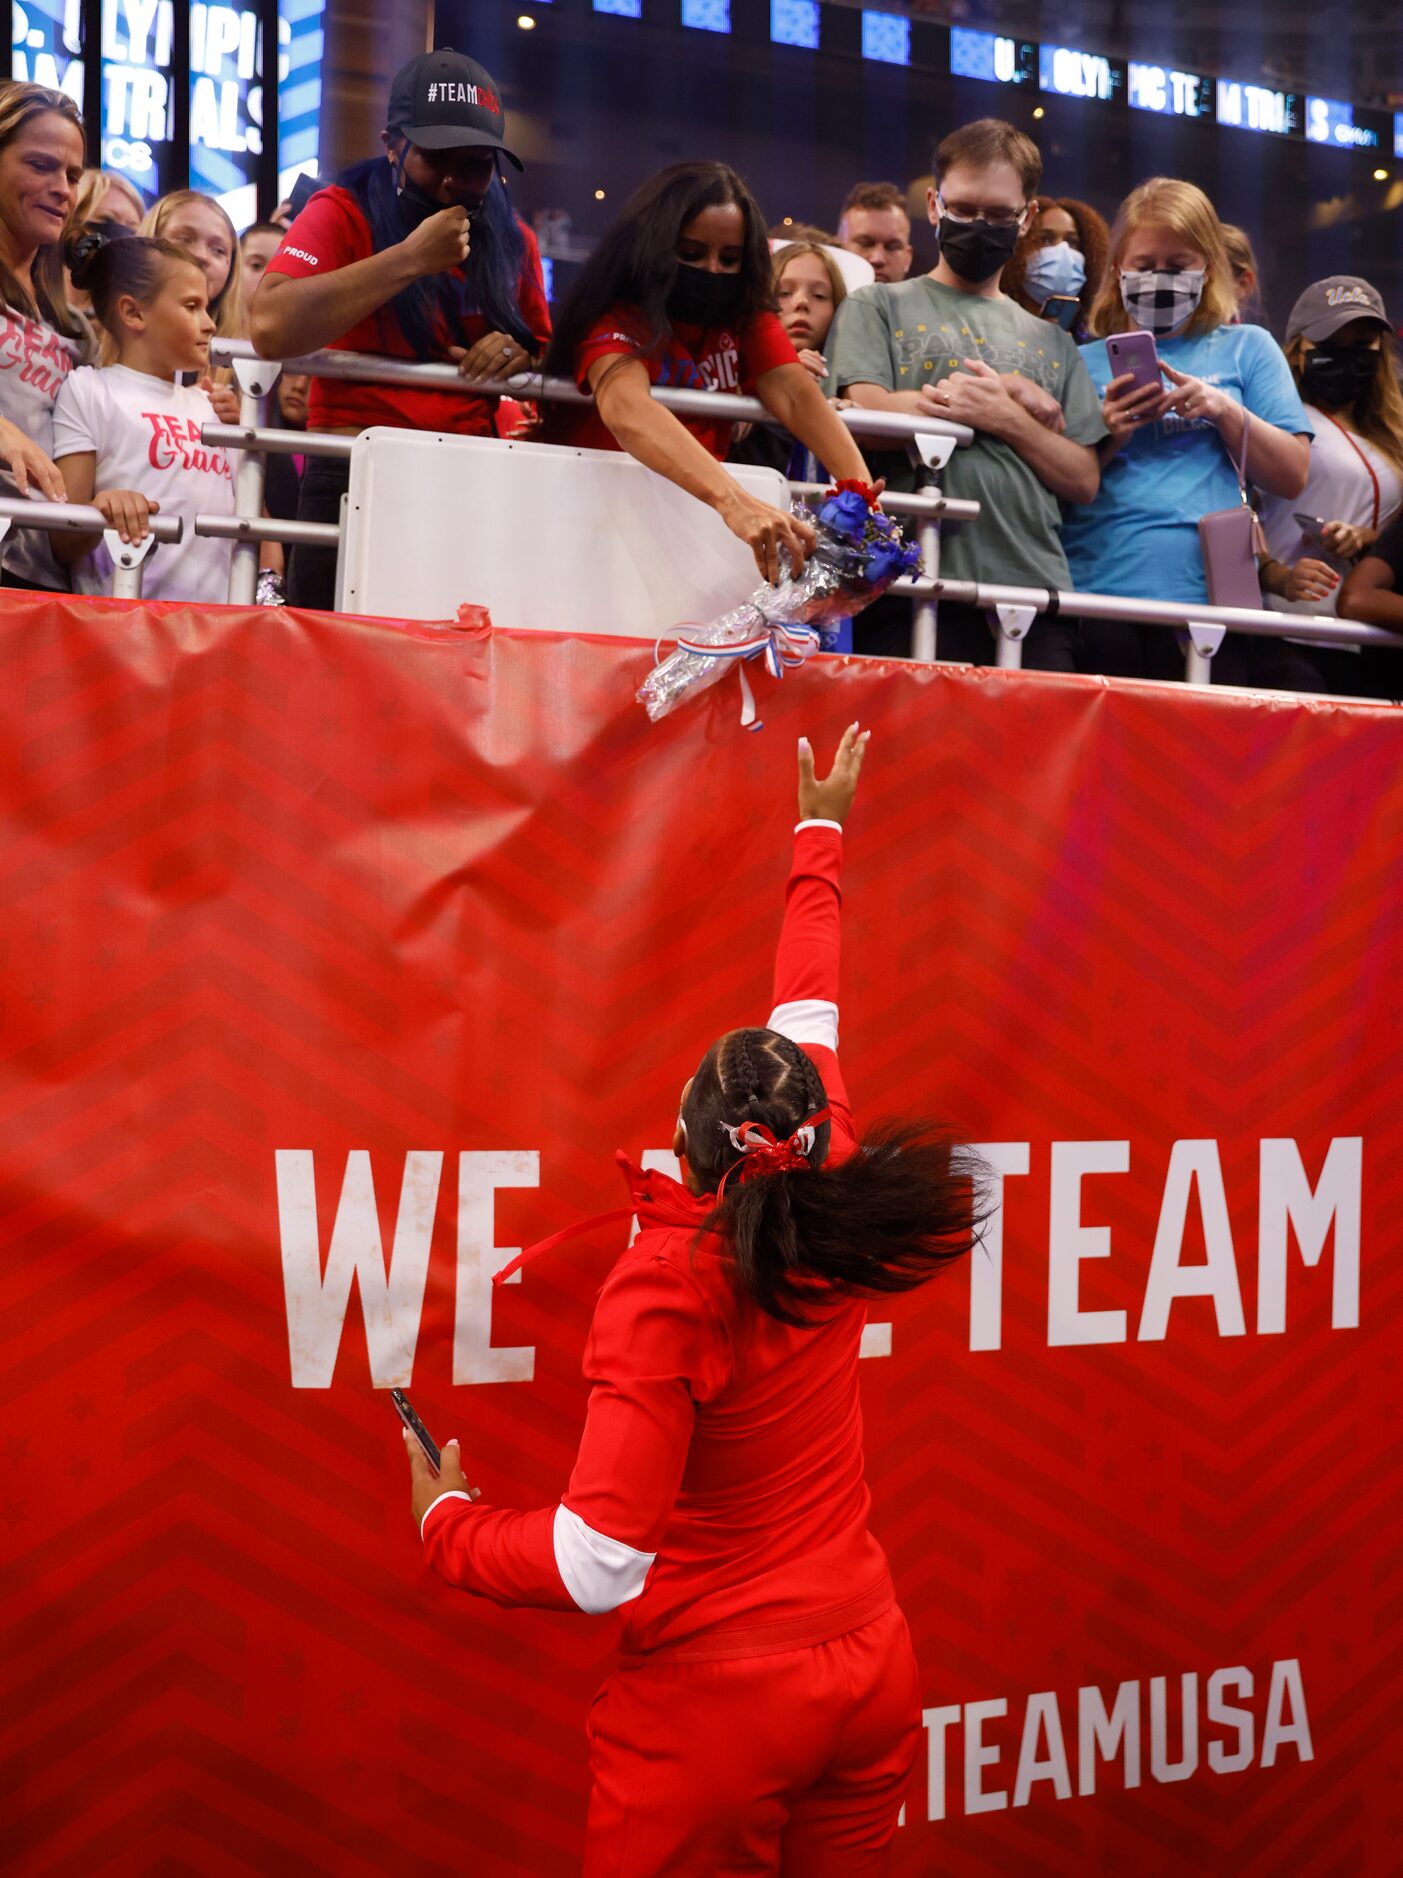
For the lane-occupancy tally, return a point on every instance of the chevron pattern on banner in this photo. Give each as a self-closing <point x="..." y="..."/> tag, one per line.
<point x="339" y="956"/>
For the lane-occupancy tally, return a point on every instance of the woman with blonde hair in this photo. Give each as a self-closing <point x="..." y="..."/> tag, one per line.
<point x="104" y="196"/>
<point x="104" y="200"/>
<point x="1172" y="454"/>
<point x="1246" y="275"/>
<point x="41" y="337"/>
<point x="198" y="223"/>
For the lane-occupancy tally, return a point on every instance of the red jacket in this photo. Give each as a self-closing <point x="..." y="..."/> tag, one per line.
<point x="718" y="1491"/>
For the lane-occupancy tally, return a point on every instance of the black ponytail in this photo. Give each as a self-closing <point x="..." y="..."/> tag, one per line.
<point x="912" y="1199"/>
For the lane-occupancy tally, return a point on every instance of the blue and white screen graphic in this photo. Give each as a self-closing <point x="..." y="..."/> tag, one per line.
<point x="137" y="47"/>
<point x="991" y="57"/>
<point x="301" y="45"/>
<point x="708" y="16"/>
<point x="1256" y="107"/>
<point x="1175" y="94"/>
<point x="226" y="106"/>
<point x="1329" y="121"/>
<point x="1073" y="74"/>
<point x="886" y="37"/>
<point x="46" y="45"/>
<point x="795" y="23"/>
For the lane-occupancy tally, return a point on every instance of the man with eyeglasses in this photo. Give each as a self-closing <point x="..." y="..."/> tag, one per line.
<point x="874" y="224"/>
<point x="951" y="344"/>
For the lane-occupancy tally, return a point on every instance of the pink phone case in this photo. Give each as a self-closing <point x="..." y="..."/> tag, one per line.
<point x="1134" y="353"/>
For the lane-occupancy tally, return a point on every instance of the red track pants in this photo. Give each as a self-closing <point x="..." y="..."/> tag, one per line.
<point x="795" y="1763"/>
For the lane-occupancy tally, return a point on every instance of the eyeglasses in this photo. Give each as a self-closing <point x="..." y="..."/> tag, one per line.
<point x="997" y="217"/>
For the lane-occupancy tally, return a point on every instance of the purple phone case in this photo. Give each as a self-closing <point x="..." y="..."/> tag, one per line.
<point x="1229" y="544"/>
<point x="1134" y="353"/>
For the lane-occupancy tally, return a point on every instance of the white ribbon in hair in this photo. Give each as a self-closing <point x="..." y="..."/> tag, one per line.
<point x="802" y="1138"/>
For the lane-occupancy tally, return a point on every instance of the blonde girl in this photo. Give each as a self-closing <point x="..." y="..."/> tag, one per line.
<point x="198" y="224"/>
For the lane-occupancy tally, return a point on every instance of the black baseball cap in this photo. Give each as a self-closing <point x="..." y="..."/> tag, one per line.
<point x="445" y="101"/>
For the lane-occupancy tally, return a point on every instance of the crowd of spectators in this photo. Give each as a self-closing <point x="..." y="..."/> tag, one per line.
<point x="1117" y="380"/>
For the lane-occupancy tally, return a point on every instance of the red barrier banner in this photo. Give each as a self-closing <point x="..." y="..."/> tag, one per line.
<point x="340" y="955"/>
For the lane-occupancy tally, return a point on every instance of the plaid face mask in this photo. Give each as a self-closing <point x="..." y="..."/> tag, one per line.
<point x="1162" y="303"/>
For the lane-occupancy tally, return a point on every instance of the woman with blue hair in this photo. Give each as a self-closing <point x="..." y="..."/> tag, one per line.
<point x="415" y="254"/>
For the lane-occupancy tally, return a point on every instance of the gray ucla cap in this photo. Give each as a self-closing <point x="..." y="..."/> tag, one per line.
<point x="1328" y="305"/>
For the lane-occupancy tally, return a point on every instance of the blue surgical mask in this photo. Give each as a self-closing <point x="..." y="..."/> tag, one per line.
<point x="1060" y="269"/>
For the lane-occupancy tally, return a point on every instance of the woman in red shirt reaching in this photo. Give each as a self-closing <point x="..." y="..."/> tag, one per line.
<point x="679" y="293"/>
<point x="765" y="1715"/>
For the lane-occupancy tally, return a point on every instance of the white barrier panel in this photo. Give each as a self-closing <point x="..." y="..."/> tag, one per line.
<point x="584" y="541"/>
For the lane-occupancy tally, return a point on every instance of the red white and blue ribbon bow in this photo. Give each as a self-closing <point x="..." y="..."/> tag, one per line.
<point x="780" y="644"/>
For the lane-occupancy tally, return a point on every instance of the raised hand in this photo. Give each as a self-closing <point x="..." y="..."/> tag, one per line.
<point x="828" y="798"/>
<point x="440" y="242"/>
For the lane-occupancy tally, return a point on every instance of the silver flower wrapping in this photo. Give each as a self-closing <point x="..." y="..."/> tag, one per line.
<point x="820" y="594"/>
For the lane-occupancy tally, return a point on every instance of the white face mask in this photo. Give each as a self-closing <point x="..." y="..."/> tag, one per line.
<point x="1162" y="303"/>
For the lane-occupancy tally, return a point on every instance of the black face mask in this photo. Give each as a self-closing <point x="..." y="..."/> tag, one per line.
<point x="701" y="298"/>
<point x="975" y="250"/>
<point x="416" y="205"/>
<point x="1337" y="375"/>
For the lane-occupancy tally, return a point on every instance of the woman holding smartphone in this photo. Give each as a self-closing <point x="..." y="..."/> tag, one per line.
<point x="1173" y="444"/>
<point x="765" y="1715"/>
<point x="1339" y="345"/>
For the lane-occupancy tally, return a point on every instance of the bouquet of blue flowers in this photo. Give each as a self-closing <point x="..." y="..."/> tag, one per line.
<point x="858" y="553"/>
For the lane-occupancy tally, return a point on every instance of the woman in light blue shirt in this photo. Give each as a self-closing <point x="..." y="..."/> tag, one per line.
<point x="1171" y="452"/>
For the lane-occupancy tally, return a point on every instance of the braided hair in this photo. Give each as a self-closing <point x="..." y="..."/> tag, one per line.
<point x="908" y="1202"/>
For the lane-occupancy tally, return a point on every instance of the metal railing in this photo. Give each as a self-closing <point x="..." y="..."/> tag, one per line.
<point x="1011" y="610"/>
<point x="129" y="558"/>
<point x="367" y="368"/>
<point x="931" y="440"/>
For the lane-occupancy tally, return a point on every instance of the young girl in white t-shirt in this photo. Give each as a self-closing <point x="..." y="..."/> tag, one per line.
<point x="127" y="435"/>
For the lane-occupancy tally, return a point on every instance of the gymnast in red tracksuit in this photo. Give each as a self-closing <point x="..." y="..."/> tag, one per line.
<point x="764" y="1715"/>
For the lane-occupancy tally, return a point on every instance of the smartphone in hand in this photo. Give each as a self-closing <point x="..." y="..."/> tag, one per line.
<point x="416" y="1428"/>
<point x="1062" y="309"/>
<point x="1135" y="353"/>
<point x="1312" y="529"/>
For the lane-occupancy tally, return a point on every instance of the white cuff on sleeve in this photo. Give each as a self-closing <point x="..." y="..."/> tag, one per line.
<point x="817" y="821"/>
<point x="599" y="1573"/>
<point x="453" y="1493"/>
<point x="807" y="1020"/>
